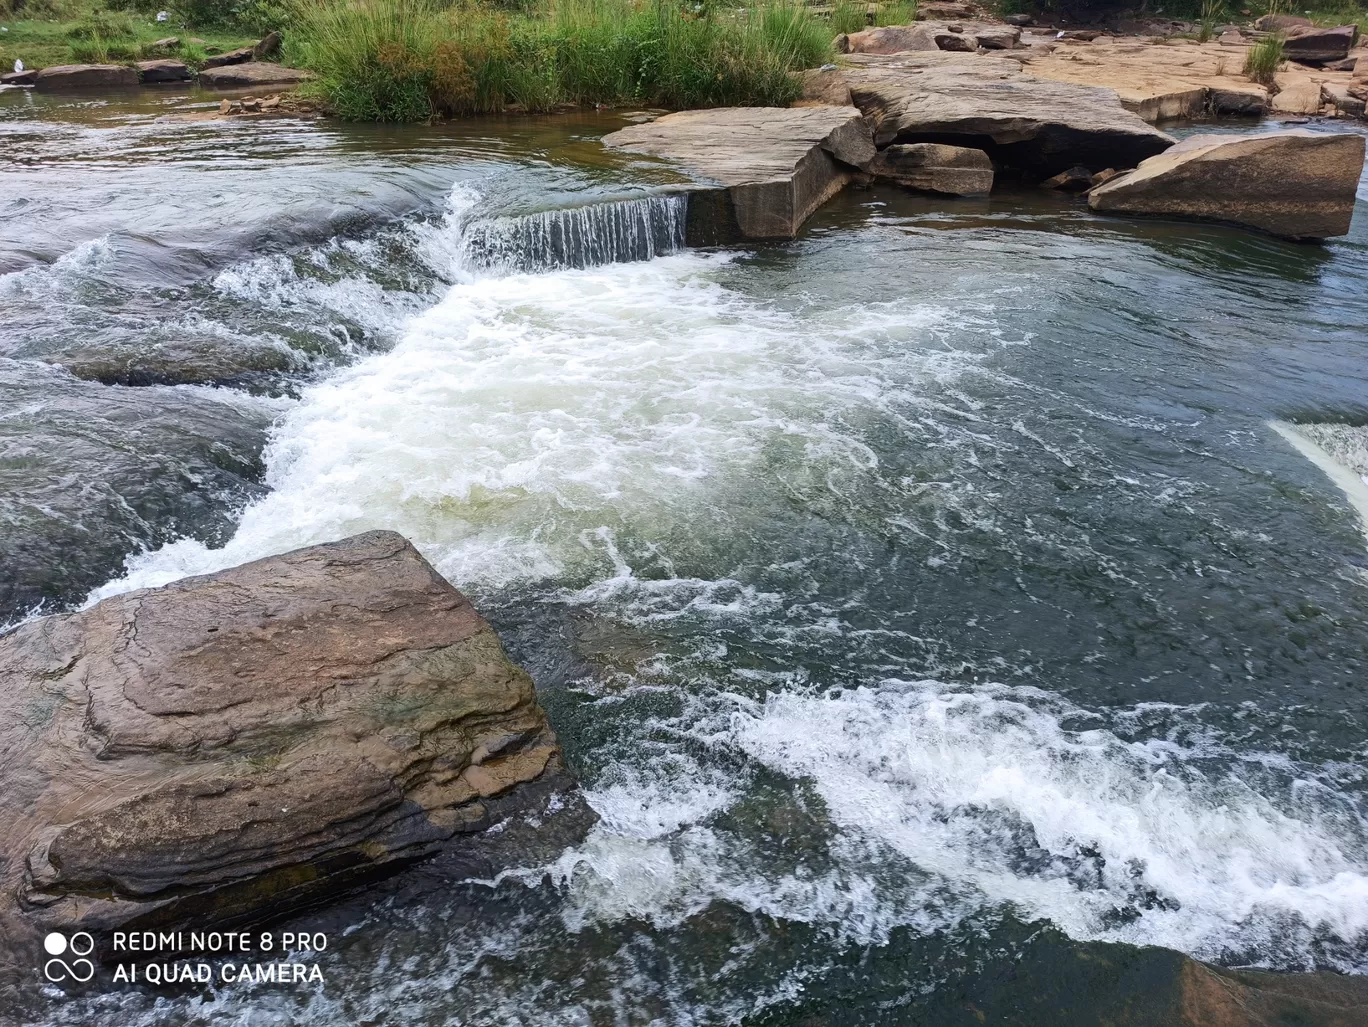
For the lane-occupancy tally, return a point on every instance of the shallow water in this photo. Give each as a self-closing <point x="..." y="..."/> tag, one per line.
<point x="929" y="593"/>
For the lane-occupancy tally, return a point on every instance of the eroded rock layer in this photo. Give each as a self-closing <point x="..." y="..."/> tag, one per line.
<point x="236" y="746"/>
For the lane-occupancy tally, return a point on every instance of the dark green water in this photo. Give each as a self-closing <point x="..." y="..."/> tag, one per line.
<point x="926" y="603"/>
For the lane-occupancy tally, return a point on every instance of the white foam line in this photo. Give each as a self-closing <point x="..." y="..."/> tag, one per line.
<point x="1352" y="484"/>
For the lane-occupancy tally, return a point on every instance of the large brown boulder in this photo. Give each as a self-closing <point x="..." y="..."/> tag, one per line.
<point x="889" y="39"/>
<point x="767" y="168"/>
<point x="165" y="70"/>
<point x="1040" y="125"/>
<point x="235" y="746"/>
<point x="253" y="73"/>
<point x="1296" y="184"/>
<point x="86" y="77"/>
<point x="936" y="168"/>
<point x="1319" y="46"/>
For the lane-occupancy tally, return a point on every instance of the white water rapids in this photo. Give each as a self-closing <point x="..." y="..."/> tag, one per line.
<point x="593" y="431"/>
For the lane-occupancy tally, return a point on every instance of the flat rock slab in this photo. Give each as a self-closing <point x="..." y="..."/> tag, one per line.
<point x="1159" y="81"/>
<point x="232" y="747"/>
<point x="1295" y="184"/>
<point x="982" y="102"/>
<point x="86" y="77"/>
<point x="253" y="73"/>
<point x="771" y="167"/>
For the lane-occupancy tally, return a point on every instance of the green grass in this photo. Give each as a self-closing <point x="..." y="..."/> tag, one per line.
<point x="406" y="60"/>
<point x="51" y="32"/>
<point x="1263" y="59"/>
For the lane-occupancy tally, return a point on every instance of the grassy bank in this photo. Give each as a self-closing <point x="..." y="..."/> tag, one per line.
<point x="404" y="60"/>
<point x="47" y="32"/>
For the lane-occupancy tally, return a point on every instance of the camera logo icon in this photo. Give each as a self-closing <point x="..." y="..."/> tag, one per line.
<point x="79" y="945"/>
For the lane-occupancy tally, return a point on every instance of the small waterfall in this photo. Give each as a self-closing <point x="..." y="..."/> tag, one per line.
<point x="603" y="233"/>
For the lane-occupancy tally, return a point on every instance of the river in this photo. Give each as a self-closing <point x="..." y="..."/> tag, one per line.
<point x="939" y="593"/>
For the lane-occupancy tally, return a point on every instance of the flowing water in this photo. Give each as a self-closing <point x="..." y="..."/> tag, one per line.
<point x="921" y="602"/>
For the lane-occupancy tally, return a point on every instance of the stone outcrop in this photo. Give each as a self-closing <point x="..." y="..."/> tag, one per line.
<point x="19" y="78"/>
<point x="1295" y="184"/>
<point x="1297" y="97"/>
<point x="1319" y="46"/>
<point x="267" y="46"/>
<point x="1037" y="125"/>
<point x="769" y="167"/>
<point x="1160" y="82"/>
<point x="163" y="71"/>
<point x="253" y="73"/>
<point x="86" y="77"/>
<point x="935" y="168"/>
<point x="232" y="747"/>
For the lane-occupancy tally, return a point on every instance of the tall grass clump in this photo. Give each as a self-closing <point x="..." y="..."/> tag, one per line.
<point x="1210" y="13"/>
<point x="848" y="16"/>
<point x="1263" y="59"/>
<point x="903" y="12"/>
<point x="406" y="60"/>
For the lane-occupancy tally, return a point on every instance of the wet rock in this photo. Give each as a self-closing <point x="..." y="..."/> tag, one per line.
<point x="772" y="166"/>
<point x="251" y="74"/>
<point x="163" y="71"/>
<point x="936" y="168"/>
<point x="1296" y="184"/>
<point x="1319" y="46"/>
<point x="19" y="78"/>
<point x="183" y="362"/>
<point x="86" y="77"/>
<point x="233" y="747"/>
<point x="154" y="464"/>
<point x="1074" y="180"/>
<point x="267" y="46"/>
<point x="1249" y="103"/>
<point x="239" y="56"/>
<point x="1212" y="996"/>
<point x="1040" y="125"/>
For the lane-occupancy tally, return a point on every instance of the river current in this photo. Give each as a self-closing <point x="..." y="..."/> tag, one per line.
<point x="962" y="584"/>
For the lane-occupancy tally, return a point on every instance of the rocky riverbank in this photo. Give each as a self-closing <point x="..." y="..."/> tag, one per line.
<point x="236" y="747"/>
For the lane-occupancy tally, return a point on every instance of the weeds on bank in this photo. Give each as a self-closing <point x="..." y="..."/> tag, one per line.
<point x="405" y="60"/>
<point x="1263" y="60"/>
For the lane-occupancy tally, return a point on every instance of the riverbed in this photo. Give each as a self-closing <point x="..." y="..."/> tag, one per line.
<point x="929" y="600"/>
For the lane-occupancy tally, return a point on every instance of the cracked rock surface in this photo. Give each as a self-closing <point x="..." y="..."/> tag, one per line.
<point x="233" y="747"/>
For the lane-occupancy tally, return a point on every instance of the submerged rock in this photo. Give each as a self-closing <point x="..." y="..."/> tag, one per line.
<point x="936" y="168"/>
<point x="236" y="746"/>
<point x="253" y="73"/>
<point x="773" y="166"/>
<point x="181" y="362"/>
<point x="87" y="76"/>
<point x="1296" y="184"/>
<point x="1039" y="125"/>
